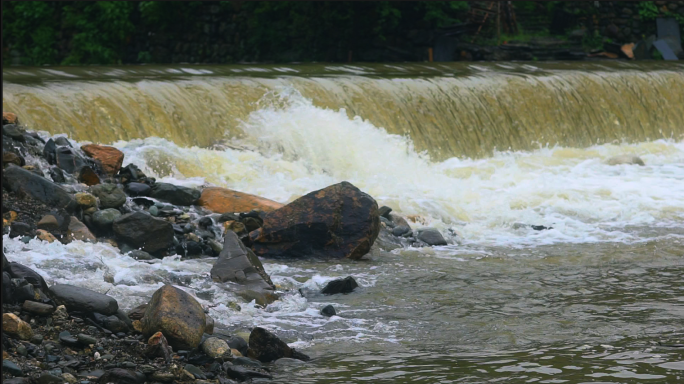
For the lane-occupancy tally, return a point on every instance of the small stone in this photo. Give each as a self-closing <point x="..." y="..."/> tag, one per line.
<point x="79" y="231"/>
<point x="164" y="377"/>
<point x="154" y="211"/>
<point x="346" y="285"/>
<point x="110" y="195"/>
<point x="400" y="230"/>
<point x="85" y="339"/>
<point x="47" y="378"/>
<point x="37" y="308"/>
<point x="37" y="339"/>
<point x="266" y="347"/>
<point x="140" y="255"/>
<point x="11" y="368"/>
<point x="328" y="311"/>
<point x="196" y="372"/>
<point x="12" y="158"/>
<point x="45" y="235"/>
<point x="215" y="347"/>
<point x="215" y="246"/>
<point x="60" y="313"/>
<point x="48" y="223"/>
<point x="21" y="349"/>
<point x="88" y="176"/>
<point x="431" y="236"/>
<point x="85" y="200"/>
<point x="13" y="325"/>
<point x="121" y="376"/>
<point x="69" y="378"/>
<point x="247" y="362"/>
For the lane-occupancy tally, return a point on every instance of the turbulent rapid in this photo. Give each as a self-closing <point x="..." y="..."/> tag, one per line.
<point x="479" y="153"/>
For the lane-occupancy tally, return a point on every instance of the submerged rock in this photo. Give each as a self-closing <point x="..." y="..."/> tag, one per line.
<point x="345" y="285"/>
<point x="140" y="230"/>
<point x="84" y="300"/>
<point x="177" y="315"/>
<point x="109" y="157"/>
<point x="26" y="183"/>
<point x="238" y="264"/>
<point x="222" y="200"/>
<point x="335" y="222"/>
<point x="175" y="194"/>
<point x="328" y="311"/>
<point x="266" y="347"/>
<point x="625" y="159"/>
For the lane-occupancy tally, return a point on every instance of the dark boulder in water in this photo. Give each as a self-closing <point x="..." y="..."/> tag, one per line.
<point x="346" y="285"/>
<point x="69" y="160"/>
<point x="175" y="194"/>
<point x="140" y="230"/>
<point x="335" y="222"/>
<point x="266" y="347"/>
<point x="240" y="265"/>
<point x="328" y="311"/>
<point x="138" y="189"/>
<point x="26" y="183"/>
<point x="431" y="236"/>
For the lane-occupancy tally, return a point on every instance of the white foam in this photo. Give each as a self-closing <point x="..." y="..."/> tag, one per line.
<point x="299" y="147"/>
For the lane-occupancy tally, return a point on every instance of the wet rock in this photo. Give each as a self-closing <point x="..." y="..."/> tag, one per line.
<point x="52" y="223"/>
<point x="13" y="325"/>
<point x="86" y="339"/>
<point x="195" y="372"/>
<point x="37" y="308"/>
<point x="193" y="248"/>
<point x="625" y="159"/>
<point x="18" y="228"/>
<point x="85" y="200"/>
<point x="242" y="373"/>
<point x="9" y="118"/>
<point x="88" y="176"/>
<point x="130" y="173"/>
<point x="122" y="376"/>
<point x="45" y="235"/>
<point x="114" y="324"/>
<point x="50" y="152"/>
<point x="228" y="216"/>
<point x="384" y="211"/>
<point x="175" y="194"/>
<point x="251" y="223"/>
<point x="104" y="218"/>
<point x="69" y="160"/>
<point x="164" y="377"/>
<point x="78" y="231"/>
<point x="431" y="236"/>
<point x="138" y="312"/>
<point x="215" y="246"/>
<point x="63" y="141"/>
<point x="13" y="131"/>
<point x="143" y="231"/>
<point x="209" y="325"/>
<point x="22" y="290"/>
<point x="266" y="347"/>
<point x="215" y="347"/>
<point x="47" y="378"/>
<point x="69" y="378"/>
<point x="25" y="183"/>
<point x="140" y="255"/>
<point x="84" y="300"/>
<point x="7" y="289"/>
<point x="400" y="230"/>
<point x="177" y="315"/>
<point x="222" y="200"/>
<point x="334" y="222"/>
<point x="19" y="271"/>
<point x="65" y="338"/>
<point x="158" y="346"/>
<point x="328" y="311"/>
<point x="109" y="157"/>
<point x="57" y="175"/>
<point x="238" y="264"/>
<point x="346" y="285"/>
<point x="12" y="158"/>
<point x="11" y="368"/>
<point x="110" y="195"/>
<point x="138" y="189"/>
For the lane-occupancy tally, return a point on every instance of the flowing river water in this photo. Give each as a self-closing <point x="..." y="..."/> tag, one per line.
<point x="473" y="150"/>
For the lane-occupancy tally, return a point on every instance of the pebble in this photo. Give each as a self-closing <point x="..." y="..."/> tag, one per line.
<point x="11" y="368"/>
<point x="85" y="339"/>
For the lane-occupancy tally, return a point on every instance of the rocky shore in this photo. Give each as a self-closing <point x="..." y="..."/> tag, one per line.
<point x="56" y="191"/>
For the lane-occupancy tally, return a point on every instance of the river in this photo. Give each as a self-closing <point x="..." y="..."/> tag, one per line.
<point x="474" y="150"/>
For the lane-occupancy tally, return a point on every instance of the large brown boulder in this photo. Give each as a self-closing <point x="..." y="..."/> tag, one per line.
<point x="334" y="222"/>
<point x="238" y="264"/>
<point x="110" y="157"/>
<point x="177" y="315"/>
<point x="222" y="200"/>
